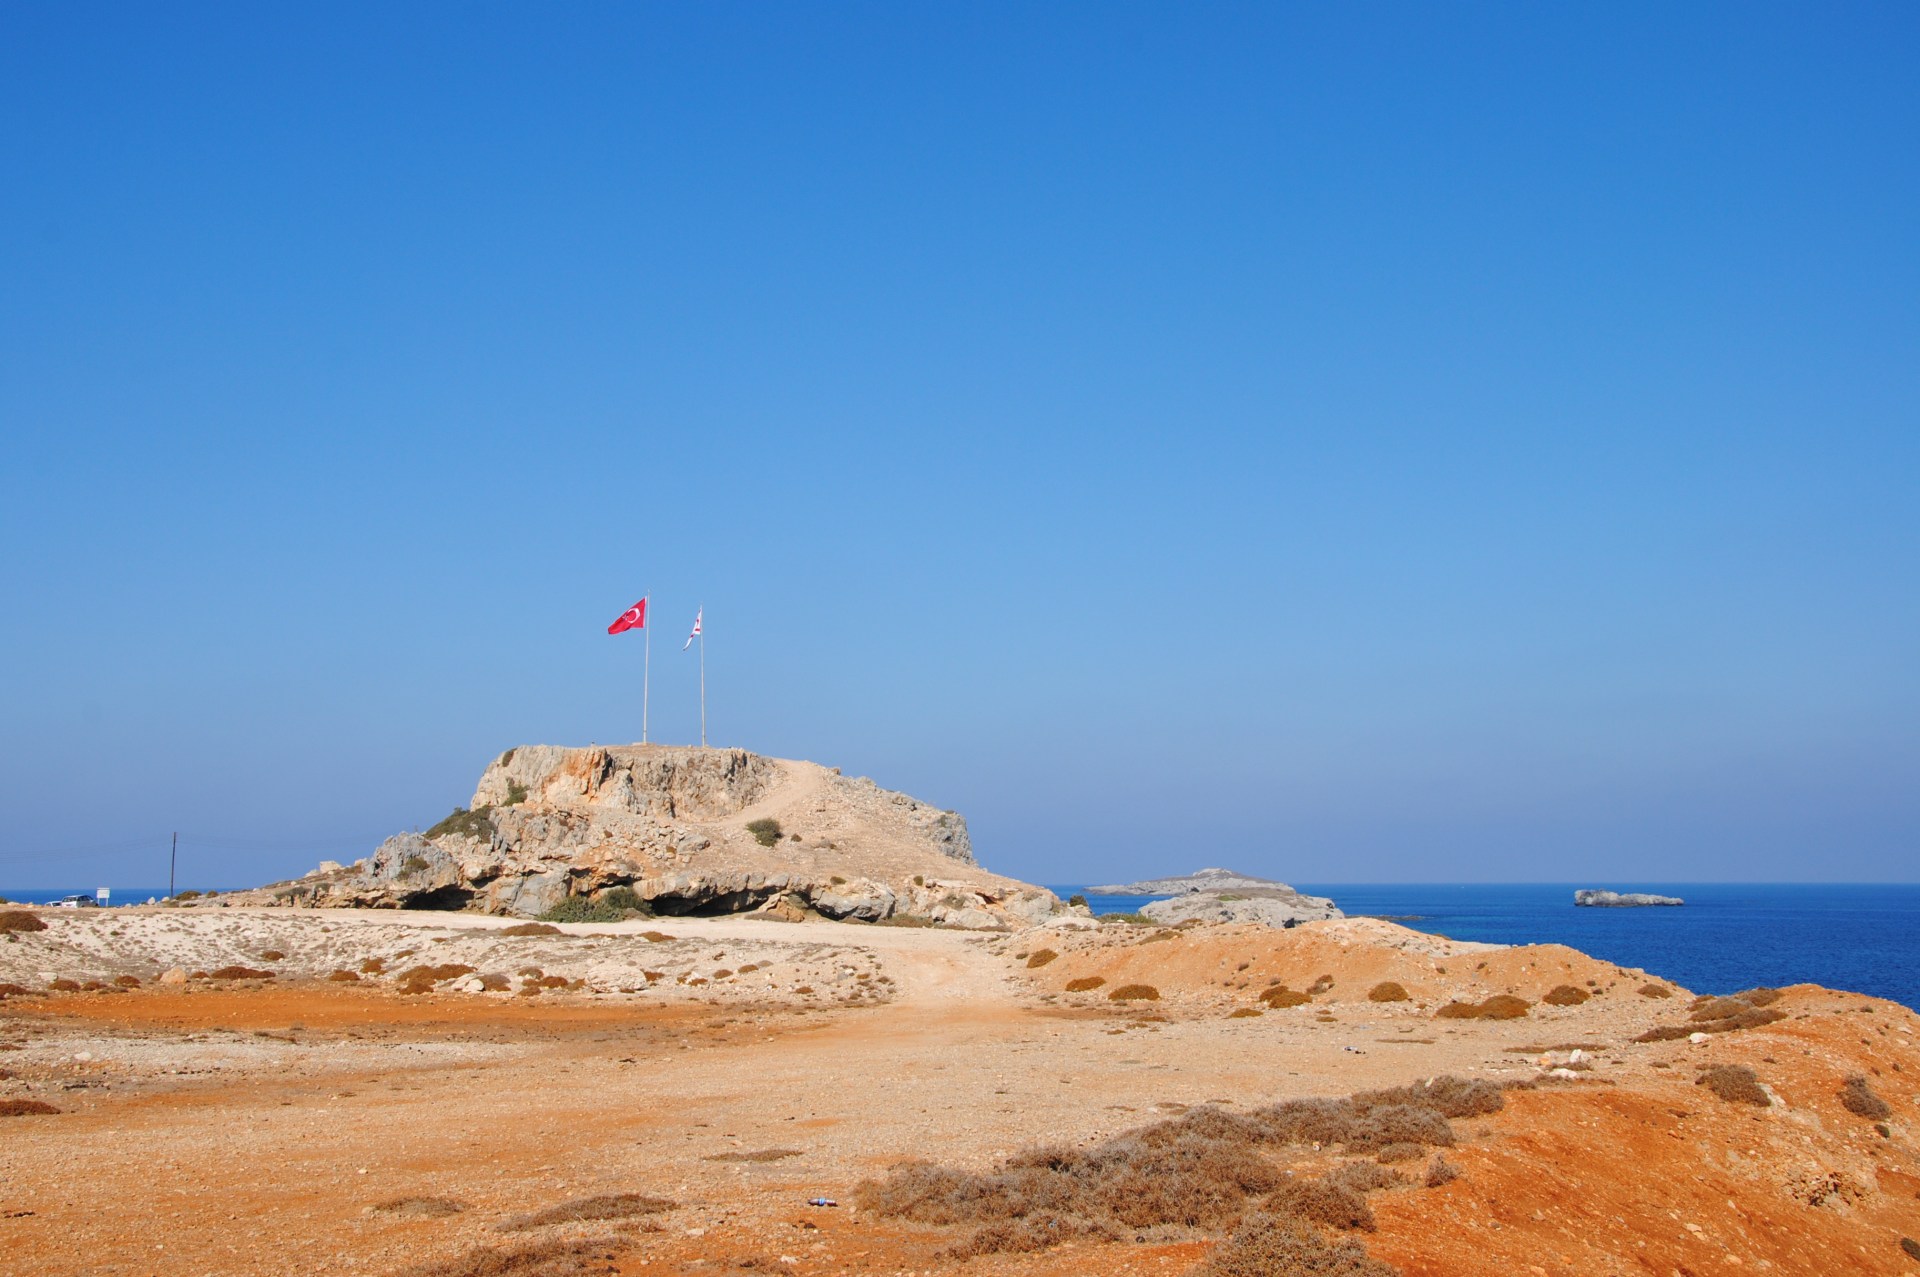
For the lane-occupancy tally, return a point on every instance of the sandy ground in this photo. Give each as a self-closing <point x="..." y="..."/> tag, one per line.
<point x="246" y="1126"/>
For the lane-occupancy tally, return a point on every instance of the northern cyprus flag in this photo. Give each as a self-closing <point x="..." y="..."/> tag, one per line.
<point x="696" y="630"/>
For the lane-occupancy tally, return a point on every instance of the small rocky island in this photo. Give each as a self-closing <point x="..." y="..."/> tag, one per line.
<point x="1221" y="895"/>
<point x="1622" y="900"/>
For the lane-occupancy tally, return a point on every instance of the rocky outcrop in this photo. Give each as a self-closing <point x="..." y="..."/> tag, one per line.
<point x="1276" y="908"/>
<point x="1200" y="880"/>
<point x="1622" y="900"/>
<point x="688" y="831"/>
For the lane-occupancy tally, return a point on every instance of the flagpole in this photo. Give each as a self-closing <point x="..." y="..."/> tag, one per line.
<point x="701" y="616"/>
<point x="646" y="666"/>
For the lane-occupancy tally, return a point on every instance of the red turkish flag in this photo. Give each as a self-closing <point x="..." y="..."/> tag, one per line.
<point x="634" y="618"/>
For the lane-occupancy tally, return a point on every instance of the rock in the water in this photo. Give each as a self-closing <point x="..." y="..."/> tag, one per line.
<point x="1284" y="907"/>
<point x="1620" y="900"/>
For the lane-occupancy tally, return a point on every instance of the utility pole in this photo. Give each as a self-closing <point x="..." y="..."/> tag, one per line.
<point x="172" y="861"/>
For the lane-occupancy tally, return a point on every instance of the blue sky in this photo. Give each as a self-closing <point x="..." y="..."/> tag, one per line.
<point x="1349" y="443"/>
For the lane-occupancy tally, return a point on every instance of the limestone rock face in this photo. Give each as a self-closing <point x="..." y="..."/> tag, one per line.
<point x="671" y="824"/>
<point x="1276" y="908"/>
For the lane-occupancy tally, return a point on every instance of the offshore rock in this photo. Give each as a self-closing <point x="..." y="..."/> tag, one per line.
<point x="671" y="824"/>
<point x="1622" y="900"/>
<point x="1199" y="880"/>
<point x="1276" y="908"/>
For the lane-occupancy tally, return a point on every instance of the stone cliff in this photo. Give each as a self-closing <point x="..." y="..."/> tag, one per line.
<point x="689" y="831"/>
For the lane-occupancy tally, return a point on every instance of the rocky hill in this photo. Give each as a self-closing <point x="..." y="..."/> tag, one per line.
<point x="687" y="830"/>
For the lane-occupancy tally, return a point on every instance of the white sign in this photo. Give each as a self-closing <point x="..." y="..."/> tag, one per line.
<point x="102" y="895"/>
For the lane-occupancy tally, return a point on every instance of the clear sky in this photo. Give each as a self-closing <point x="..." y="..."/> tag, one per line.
<point x="1342" y="442"/>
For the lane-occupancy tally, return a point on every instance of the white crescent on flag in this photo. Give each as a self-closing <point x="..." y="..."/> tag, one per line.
<point x="696" y="630"/>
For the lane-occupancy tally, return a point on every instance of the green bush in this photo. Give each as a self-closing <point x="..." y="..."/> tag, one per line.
<point x="766" y="830"/>
<point x="1078" y="901"/>
<point x="477" y="823"/>
<point x="616" y="904"/>
<point x="516" y="794"/>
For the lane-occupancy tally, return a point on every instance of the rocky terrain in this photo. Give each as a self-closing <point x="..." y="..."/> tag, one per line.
<point x="264" y="1090"/>
<point x="1221" y="895"/>
<point x="685" y="831"/>
<point x="1617" y="899"/>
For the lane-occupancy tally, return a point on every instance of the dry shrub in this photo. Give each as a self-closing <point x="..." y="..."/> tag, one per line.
<point x="495" y="982"/>
<point x="1272" y="1246"/>
<point x="655" y="937"/>
<point x="419" y="1207"/>
<point x="373" y="966"/>
<point x="271" y="955"/>
<point x="1655" y="991"/>
<point x="239" y="973"/>
<point x="589" y="1258"/>
<point x="531" y="929"/>
<point x="1717" y="1008"/>
<point x="1387" y="991"/>
<point x="1085" y="983"/>
<point x="1244" y="1013"/>
<point x="1565" y="995"/>
<point x="1910" y="1247"/>
<point x="1280" y="996"/>
<point x="1858" y="1097"/>
<point x="435" y="974"/>
<point x="64" y="985"/>
<point x="1735" y="1083"/>
<point x="758" y="1155"/>
<point x="1041" y="958"/>
<point x="20" y="920"/>
<point x="607" y="1206"/>
<point x="127" y="981"/>
<point x="343" y="976"/>
<point x="1323" y="1201"/>
<point x="1319" y="986"/>
<point x="1440" y="1171"/>
<point x="1760" y="997"/>
<point x="25" y="1108"/>
<point x="1399" y="1153"/>
<point x="12" y="990"/>
<point x="1501" y="1006"/>
<point x="1029" y="1234"/>
<point x="1134" y="993"/>
<point x="1721" y="1015"/>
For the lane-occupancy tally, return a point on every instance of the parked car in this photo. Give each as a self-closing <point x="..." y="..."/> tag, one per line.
<point x="79" y="900"/>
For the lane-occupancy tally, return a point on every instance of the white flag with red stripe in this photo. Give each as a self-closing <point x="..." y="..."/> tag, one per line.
<point x="696" y="630"/>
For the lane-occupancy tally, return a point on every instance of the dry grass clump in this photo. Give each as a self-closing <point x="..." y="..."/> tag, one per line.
<point x="20" y="920"/>
<point x="239" y="973"/>
<point x="343" y="976"/>
<point x="758" y="1155"/>
<point x="12" y="990"/>
<point x="1393" y="1153"/>
<point x="1134" y="993"/>
<point x="1748" y="1010"/>
<point x="1735" y="1083"/>
<point x="271" y="955"/>
<point x="1244" y="1013"/>
<point x="61" y="984"/>
<point x="1440" y="1171"/>
<point x="1858" y="1097"/>
<point x="1566" y="995"/>
<point x="589" y="1258"/>
<point x="1085" y="983"/>
<point x="373" y="966"/>
<point x="25" y="1108"/>
<point x="127" y="981"/>
<point x="1387" y="991"/>
<point x="606" y="1206"/>
<point x="1040" y="958"/>
<point x="1273" y="1246"/>
<point x="1501" y="1006"/>
<point x="1202" y="1170"/>
<point x="419" y="1207"/>
<point x="1280" y="997"/>
<point x="1655" y="991"/>
<point x="531" y="929"/>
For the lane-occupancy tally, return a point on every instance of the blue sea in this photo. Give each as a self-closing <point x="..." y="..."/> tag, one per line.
<point x="1864" y="938"/>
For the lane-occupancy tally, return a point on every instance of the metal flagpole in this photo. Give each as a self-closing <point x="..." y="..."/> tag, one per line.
<point x="646" y="667"/>
<point x="701" y="616"/>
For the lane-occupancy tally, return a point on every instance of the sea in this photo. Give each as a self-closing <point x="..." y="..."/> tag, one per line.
<point x="1860" y="937"/>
